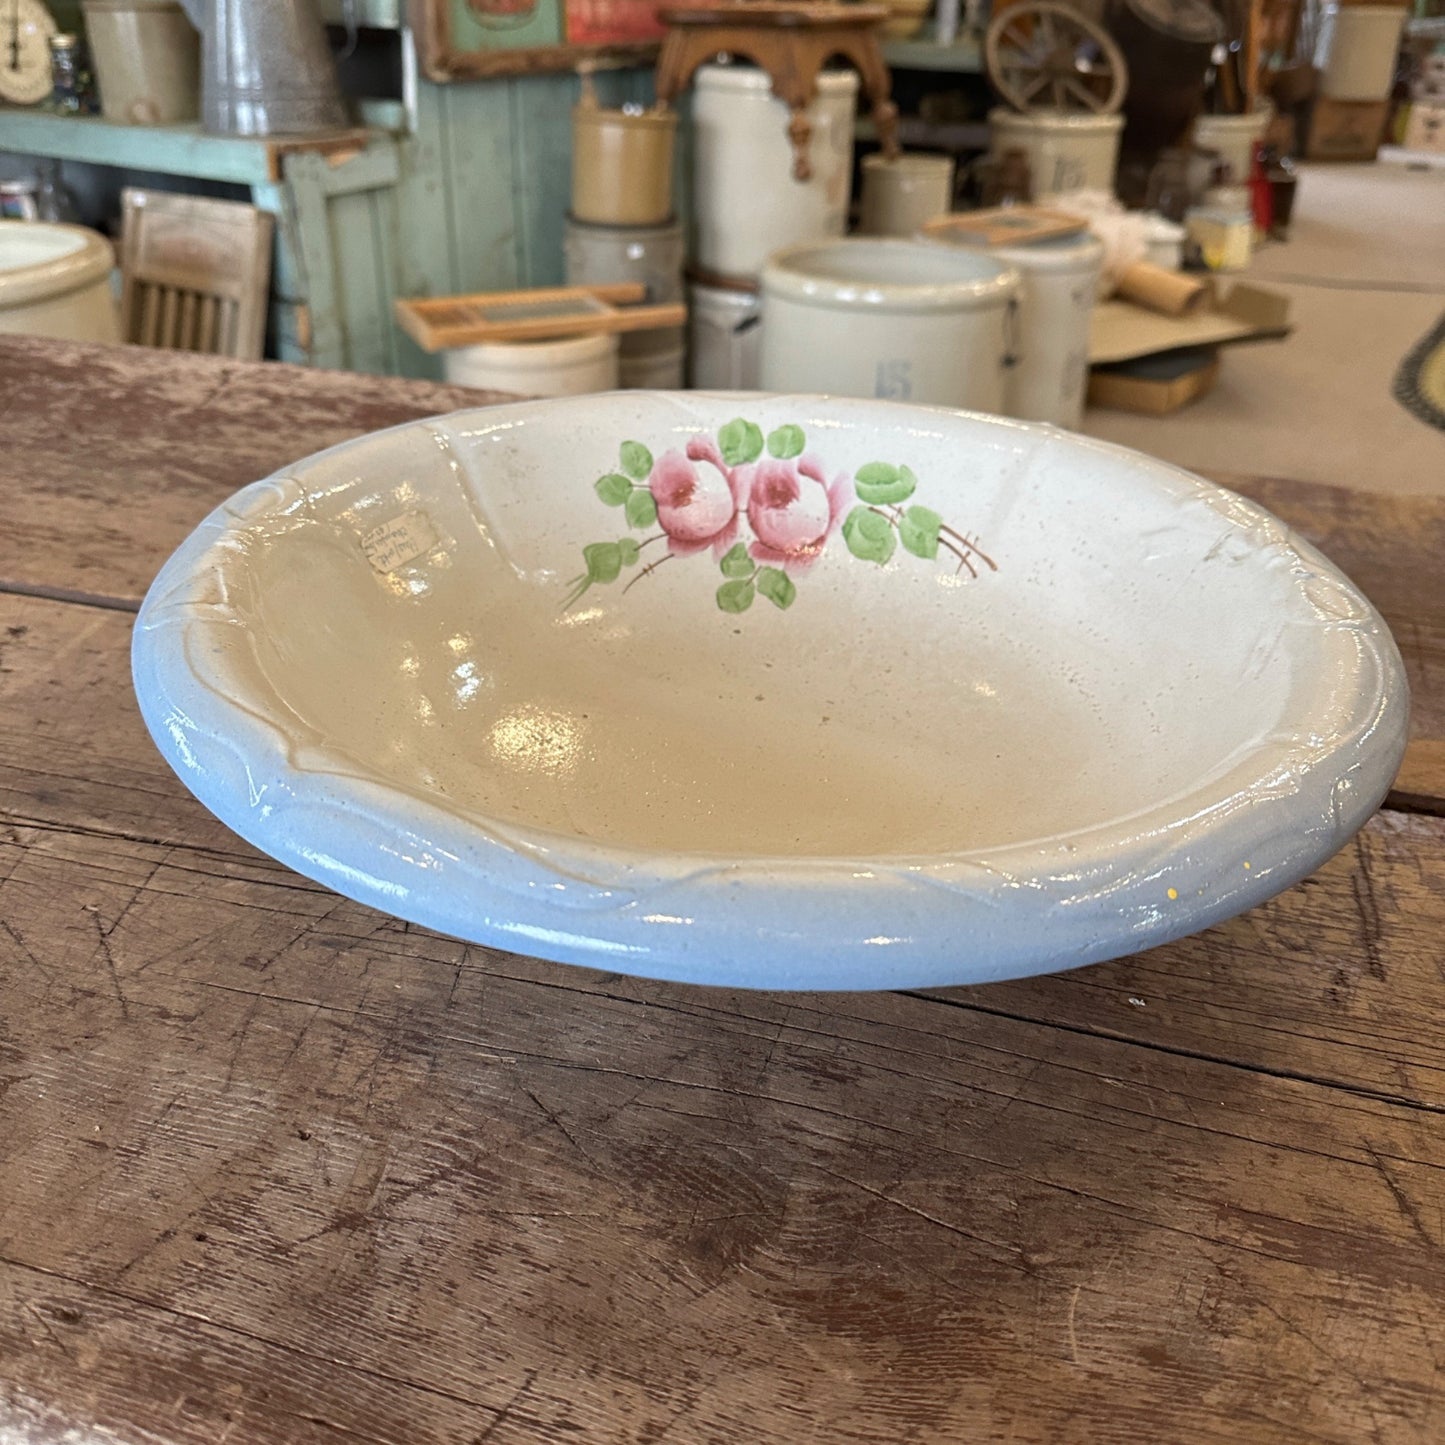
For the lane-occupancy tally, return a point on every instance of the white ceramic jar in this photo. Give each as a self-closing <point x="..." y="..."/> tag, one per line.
<point x="746" y="202"/>
<point x="901" y="194"/>
<point x="572" y="366"/>
<point x="594" y="255"/>
<point x="1066" y="150"/>
<point x="1165" y="241"/>
<point x="1050" y="373"/>
<point x="1356" y="51"/>
<point x="55" y="281"/>
<point x="1234" y="138"/>
<point x="147" y="59"/>
<point x="724" y="332"/>
<point x="652" y="360"/>
<point x="909" y="320"/>
<point x="600" y="255"/>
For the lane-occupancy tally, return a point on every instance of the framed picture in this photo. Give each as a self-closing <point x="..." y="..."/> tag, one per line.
<point x="471" y="39"/>
<point x="612" y="22"/>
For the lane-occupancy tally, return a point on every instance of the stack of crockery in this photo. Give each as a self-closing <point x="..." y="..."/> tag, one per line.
<point x="622" y="227"/>
<point x="748" y="203"/>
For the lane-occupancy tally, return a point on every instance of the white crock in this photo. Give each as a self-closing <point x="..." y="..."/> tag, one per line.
<point x="908" y="320"/>
<point x="55" y="281"/>
<point x="1066" y="150"/>
<point x="746" y="202"/>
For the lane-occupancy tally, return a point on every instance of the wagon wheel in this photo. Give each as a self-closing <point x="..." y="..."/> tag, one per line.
<point x="1040" y="52"/>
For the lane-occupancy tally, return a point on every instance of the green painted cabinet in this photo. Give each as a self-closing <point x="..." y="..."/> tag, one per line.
<point x="465" y="188"/>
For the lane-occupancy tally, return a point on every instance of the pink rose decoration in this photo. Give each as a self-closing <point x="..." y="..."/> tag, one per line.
<point x="793" y="511"/>
<point x="698" y="499"/>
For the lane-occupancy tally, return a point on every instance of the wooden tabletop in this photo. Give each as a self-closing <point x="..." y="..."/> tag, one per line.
<point x="277" y="1168"/>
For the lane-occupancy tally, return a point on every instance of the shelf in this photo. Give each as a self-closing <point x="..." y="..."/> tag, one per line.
<point x="953" y="136"/>
<point x="175" y="150"/>
<point x="960" y="58"/>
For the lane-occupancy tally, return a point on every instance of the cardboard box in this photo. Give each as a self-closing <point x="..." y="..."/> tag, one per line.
<point x="1346" y="130"/>
<point x="1425" y="128"/>
<point x="1122" y="331"/>
<point x="1155" y="385"/>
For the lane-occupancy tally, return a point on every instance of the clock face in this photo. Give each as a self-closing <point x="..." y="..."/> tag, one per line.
<point x="25" y="31"/>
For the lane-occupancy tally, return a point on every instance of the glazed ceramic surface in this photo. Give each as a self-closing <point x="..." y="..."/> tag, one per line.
<point x="55" y="281"/>
<point x="901" y="194"/>
<point x="1060" y="279"/>
<point x="780" y="692"/>
<point x="724" y="329"/>
<point x="568" y="366"/>
<point x="746" y="202"/>
<point x="882" y="317"/>
<point x="1067" y="150"/>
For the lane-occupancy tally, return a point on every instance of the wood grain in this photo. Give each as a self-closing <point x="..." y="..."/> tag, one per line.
<point x="112" y="455"/>
<point x="553" y="1209"/>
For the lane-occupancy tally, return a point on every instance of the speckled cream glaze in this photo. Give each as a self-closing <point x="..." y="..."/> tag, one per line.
<point x="810" y="751"/>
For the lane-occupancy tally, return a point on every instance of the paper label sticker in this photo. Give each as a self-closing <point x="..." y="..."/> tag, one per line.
<point x="402" y="540"/>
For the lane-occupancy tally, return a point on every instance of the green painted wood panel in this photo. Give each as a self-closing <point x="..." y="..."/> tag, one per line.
<point x="541" y="122"/>
<point x="485" y="184"/>
<point x="178" y="150"/>
<point x="480" y="182"/>
<point x="472" y="198"/>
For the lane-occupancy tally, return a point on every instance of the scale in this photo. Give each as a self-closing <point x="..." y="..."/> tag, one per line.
<point x="25" y="30"/>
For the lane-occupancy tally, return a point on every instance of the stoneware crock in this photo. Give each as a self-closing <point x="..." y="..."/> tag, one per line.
<point x="783" y="692"/>
<point x="877" y="316"/>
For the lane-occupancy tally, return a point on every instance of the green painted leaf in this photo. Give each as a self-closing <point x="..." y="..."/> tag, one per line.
<point x="869" y="535"/>
<point x="776" y="586"/>
<point x="735" y="596"/>
<point x="876" y="474"/>
<point x="641" y="508"/>
<point x="786" y="442"/>
<point x="737" y="563"/>
<point x="741" y="441"/>
<point x="628" y="551"/>
<point x="880" y="484"/>
<point x="918" y="531"/>
<point x="636" y="460"/>
<point x="614" y="489"/>
<point x="604" y="561"/>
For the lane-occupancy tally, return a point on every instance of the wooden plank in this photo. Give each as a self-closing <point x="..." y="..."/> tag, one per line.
<point x="364" y="292"/>
<point x="385" y="253"/>
<point x="206" y="333"/>
<point x="162" y="440"/>
<point x="574" y="1212"/>
<point x="169" y="302"/>
<point x="441" y="322"/>
<point x="1391" y="547"/>
<point x="481" y="184"/>
<point x="1328" y="983"/>
<point x="150" y="323"/>
<point x="316" y="254"/>
<point x="174" y="150"/>
<point x="192" y="303"/>
<point x="74" y="1353"/>
<point x="542" y="162"/>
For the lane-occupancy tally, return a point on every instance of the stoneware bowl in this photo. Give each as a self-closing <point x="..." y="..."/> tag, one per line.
<point x="782" y="692"/>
